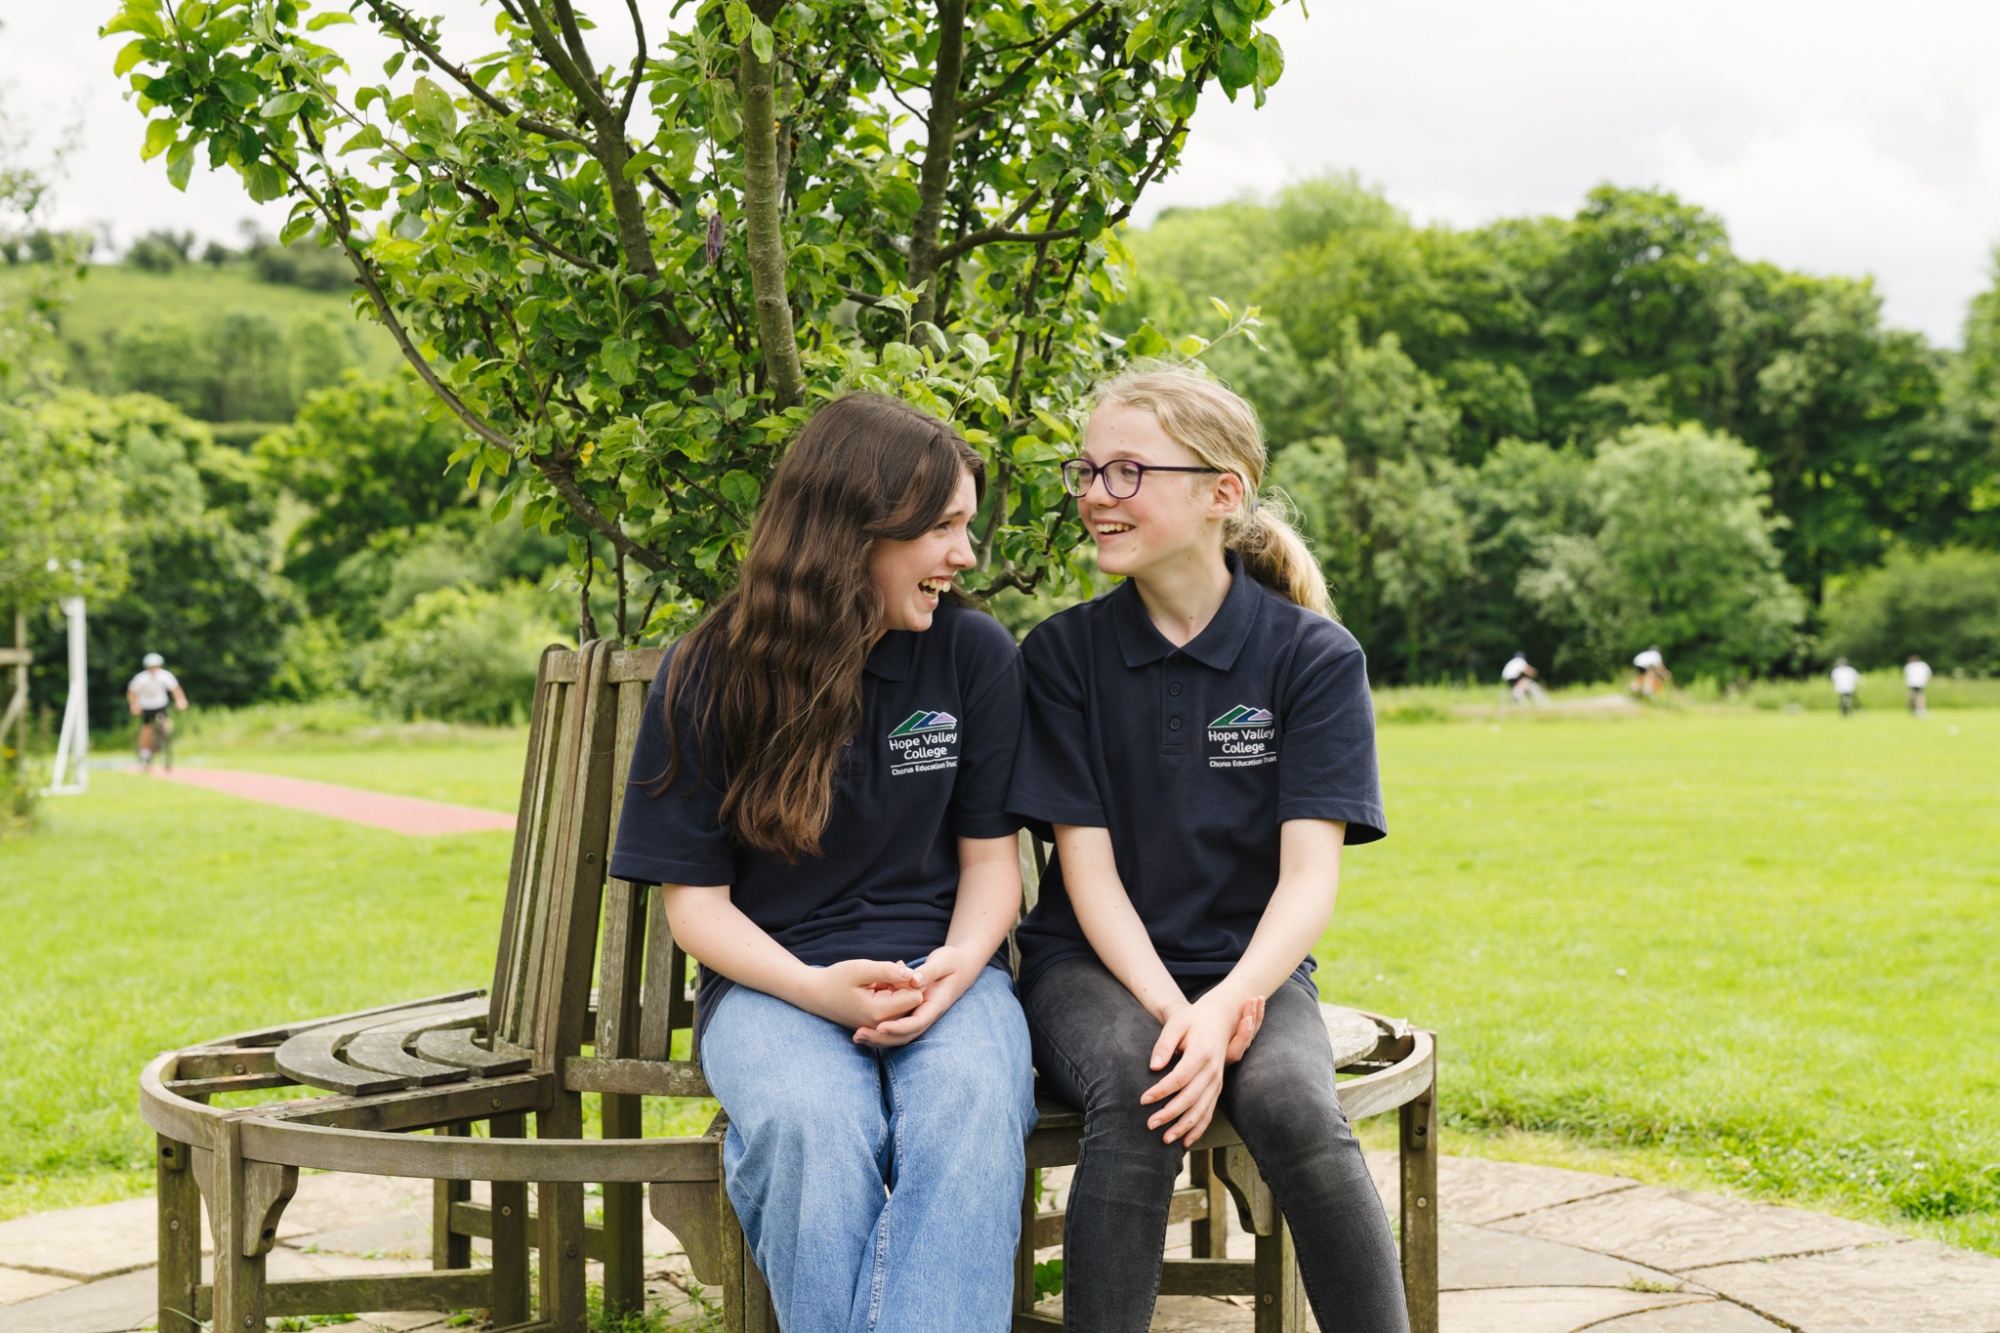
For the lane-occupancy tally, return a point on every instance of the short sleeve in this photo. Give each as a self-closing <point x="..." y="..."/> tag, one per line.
<point x="989" y="667"/>
<point x="1326" y="756"/>
<point x="1053" y="778"/>
<point x="672" y="833"/>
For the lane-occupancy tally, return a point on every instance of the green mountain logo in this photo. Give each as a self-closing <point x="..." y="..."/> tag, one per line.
<point x="921" y="721"/>
<point x="1241" y="716"/>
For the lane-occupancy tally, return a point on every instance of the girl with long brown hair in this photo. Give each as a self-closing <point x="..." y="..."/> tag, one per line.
<point x="1201" y="741"/>
<point x="819" y="789"/>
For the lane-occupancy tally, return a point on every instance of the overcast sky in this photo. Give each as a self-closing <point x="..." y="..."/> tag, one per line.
<point x="1833" y="136"/>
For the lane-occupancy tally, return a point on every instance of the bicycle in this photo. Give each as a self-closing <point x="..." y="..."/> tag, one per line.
<point x="163" y="741"/>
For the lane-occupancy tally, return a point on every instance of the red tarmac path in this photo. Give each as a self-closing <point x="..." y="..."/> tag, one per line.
<point x="398" y="814"/>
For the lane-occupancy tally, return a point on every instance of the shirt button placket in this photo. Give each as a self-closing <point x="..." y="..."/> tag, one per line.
<point x="1172" y="741"/>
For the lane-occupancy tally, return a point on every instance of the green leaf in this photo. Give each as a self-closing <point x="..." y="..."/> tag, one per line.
<point x="264" y="182"/>
<point x="327" y="20"/>
<point x="1236" y="67"/>
<point x="300" y="223"/>
<point x="135" y="18"/>
<point x="637" y="164"/>
<point x="1270" y="59"/>
<point x="134" y="52"/>
<point x="620" y="360"/>
<point x="1142" y="32"/>
<point x="160" y="136"/>
<point x="976" y="350"/>
<point x="283" y="106"/>
<point x="240" y="89"/>
<point x="737" y="15"/>
<point x="498" y="182"/>
<point x="370" y="137"/>
<point x="434" y="105"/>
<point x="740" y="489"/>
<point x="1232" y="20"/>
<point x="180" y="165"/>
<point x="762" y="41"/>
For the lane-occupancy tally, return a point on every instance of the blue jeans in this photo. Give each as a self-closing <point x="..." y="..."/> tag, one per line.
<point x="880" y="1190"/>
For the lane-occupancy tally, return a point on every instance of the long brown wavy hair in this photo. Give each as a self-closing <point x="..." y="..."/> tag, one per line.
<point x="775" y="667"/>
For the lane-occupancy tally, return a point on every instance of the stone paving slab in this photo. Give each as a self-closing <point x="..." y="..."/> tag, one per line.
<point x="83" y="1243"/>
<point x="1546" y="1309"/>
<point x="1479" y="1192"/>
<point x="1910" y="1287"/>
<point x="108" y="1306"/>
<point x="19" y="1285"/>
<point x="1697" y="1317"/>
<point x="1473" y="1258"/>
<point x="1677" y="1230"/>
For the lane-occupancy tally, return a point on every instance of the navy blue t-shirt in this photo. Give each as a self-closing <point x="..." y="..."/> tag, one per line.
<point x="1191" y="757"/>
<point x="941" y="712"/>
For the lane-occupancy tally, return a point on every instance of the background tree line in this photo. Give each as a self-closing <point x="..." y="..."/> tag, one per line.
<point x="1581" y="435"/>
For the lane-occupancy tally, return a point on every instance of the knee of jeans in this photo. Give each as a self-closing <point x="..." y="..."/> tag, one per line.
<point x="806" y="1132"/>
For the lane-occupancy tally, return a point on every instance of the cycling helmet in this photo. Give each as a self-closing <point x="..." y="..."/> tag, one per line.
<point x="154" y="659"/>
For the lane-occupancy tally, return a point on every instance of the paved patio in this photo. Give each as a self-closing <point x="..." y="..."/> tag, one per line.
<point x="1527" y="1249"/>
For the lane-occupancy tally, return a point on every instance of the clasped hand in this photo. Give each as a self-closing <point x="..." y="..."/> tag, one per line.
<point x="892" y="1004"/>
<point x="1209" y="1035"/>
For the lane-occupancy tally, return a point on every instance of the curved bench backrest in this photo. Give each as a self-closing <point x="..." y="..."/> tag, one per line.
<point x="541" y="978"/>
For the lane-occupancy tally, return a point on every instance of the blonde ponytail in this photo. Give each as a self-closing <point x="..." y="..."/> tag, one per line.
<point x="1221" y="430"/>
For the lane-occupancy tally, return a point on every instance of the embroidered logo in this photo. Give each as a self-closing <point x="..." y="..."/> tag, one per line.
<point x="1243" y="737"/>
<point x="923" y="742"/>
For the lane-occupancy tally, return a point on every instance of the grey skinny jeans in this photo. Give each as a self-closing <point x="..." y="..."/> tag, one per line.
<point x="1092" y="1041"/>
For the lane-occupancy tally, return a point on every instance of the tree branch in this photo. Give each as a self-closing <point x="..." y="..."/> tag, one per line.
<point x="763" y="198"/>
<point x="934" y="178"/>
<point x="391" y="17"/>
<point x="974" y="105"/>
<point x="624" y="118"/>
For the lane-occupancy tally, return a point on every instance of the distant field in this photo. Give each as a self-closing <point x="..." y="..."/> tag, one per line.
<point x="1744" y="948"/>
<point x="111" y="296"/>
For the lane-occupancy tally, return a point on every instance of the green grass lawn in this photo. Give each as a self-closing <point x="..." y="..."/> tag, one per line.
<point x="1746" y="949"/>
<point x="1743" y="948"/>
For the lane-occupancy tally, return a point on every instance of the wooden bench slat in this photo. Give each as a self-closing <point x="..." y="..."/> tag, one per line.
<point x="314" y="1056"/>
<point x="455" y="1046"/>
<point x="644" y="1078"/>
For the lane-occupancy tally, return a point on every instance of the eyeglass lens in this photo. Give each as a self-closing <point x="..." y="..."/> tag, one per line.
<point x="1121" y="477"/>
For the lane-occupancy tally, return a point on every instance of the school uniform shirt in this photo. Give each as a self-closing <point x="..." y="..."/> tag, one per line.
<point x="941" y="715"/>
<point x="1916" y="675"/>
<point x="1846" y="680"/>
<point x="1192" y="758"/>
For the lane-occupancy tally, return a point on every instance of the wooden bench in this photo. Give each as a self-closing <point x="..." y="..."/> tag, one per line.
<point x="542" y="1039"/>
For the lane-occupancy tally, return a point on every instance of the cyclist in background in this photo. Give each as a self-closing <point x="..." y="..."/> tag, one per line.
<point x="149" y="695"/>
<point x="1846" y="680"/>
<point x="1519" y="678"/>
<point x="1653" y="674"/>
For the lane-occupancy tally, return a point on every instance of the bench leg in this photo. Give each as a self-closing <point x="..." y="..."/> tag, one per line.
<point x="179" y="1201"/>
<point x="1024" y="1253"/>
<point x="565" y="1297"/>
<point x="449" y="1249"/>
<point x="239" y="1279"/>
<point x="624" y="1218"/>
<point x="510" y="1235"/>
<point x="1281" y="1296"/>
<point x="1209" y="1236"/>
<point x="1419" y="1162"/>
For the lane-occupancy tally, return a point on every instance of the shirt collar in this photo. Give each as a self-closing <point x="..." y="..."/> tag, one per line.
<point x="892" y="655"/>
<point x="1218" y="643"/>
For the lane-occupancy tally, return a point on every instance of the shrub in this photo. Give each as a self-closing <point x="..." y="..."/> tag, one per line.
<point x="461" y="655"/>
<point x="1943" y="604"/>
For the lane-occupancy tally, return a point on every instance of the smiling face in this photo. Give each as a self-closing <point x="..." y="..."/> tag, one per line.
<point x="911" y="576"/>
<point x="1176" y="516"/>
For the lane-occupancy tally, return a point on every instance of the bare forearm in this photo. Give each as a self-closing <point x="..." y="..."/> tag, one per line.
<point x="989" y="895"/>
<point x="1299" y="912"/>
<point x="715" y="932"/>
<point x="1110" y="922"/>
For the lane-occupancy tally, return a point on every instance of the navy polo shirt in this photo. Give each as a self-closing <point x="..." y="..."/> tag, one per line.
<point x="941" y="713"/>
<point x="1192" y="757"/>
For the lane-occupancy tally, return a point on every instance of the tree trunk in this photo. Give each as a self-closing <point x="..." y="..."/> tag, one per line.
<point x="763" y="196"/>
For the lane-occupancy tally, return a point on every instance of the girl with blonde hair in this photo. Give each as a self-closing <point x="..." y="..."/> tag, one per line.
<point x="1201" y="744"/>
